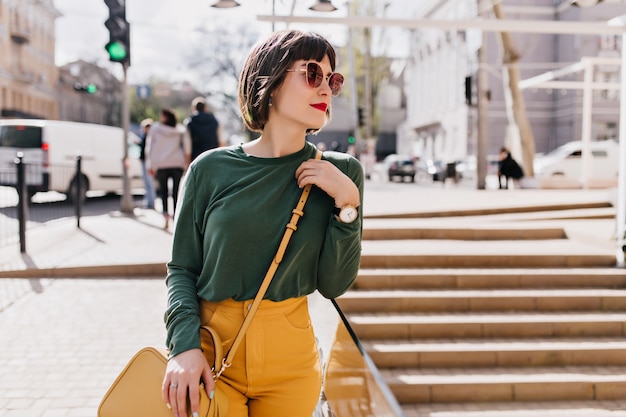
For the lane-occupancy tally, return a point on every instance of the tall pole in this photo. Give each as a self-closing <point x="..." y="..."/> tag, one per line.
<point x="620" y="214"/>
<point x="354" y="96"/>
<point x="367" y="99"/>
<point x="482" y="105"/>
<point x="127" y="202"/>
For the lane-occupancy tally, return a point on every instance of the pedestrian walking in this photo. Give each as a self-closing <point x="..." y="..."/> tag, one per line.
<point x="148" y="180"/>
<point x="508" y="168"/>
<point x="167" y="158"/>
<point x="235" y="202"/>
<point x="202" y="128"/>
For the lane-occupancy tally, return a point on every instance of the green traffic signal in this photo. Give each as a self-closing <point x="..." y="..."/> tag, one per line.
<point x="90" y="88"/>
<point x="118" y="46"/>
<point x="117" y="51"/>
<point x="351" y="140"/>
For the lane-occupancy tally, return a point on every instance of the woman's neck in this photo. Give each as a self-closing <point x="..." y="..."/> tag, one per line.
<point x="274" y="144"/>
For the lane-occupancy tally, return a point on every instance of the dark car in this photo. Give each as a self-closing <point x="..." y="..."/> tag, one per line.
<point x="433" y="170"/>
<point x="401" y="167"/>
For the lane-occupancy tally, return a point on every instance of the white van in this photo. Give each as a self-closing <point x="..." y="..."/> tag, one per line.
<point x="565" y="163"/>
<point x="50" y="149"/>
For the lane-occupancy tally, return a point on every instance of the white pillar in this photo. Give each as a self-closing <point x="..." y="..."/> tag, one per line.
<point x="585" y="172"/>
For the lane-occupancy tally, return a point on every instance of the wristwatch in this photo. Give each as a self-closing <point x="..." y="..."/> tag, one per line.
<point x="346" y="214"/>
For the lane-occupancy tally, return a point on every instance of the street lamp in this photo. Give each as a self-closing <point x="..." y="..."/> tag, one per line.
<point x="225" y="4"/>
<point x="323" y="6"/>
<point x="320" y="6"/>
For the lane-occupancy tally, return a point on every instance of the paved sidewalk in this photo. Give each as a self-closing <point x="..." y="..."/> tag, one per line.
<point x="65" y="335"/>
<point x="115" y="244"/>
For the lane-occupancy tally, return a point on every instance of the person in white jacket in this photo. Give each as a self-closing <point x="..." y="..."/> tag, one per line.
<point x="167" y="158"/>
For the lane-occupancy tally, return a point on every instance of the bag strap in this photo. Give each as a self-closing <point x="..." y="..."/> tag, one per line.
<point x="290" y="228"/>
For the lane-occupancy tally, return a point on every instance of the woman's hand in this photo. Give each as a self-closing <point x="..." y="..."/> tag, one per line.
<point x="182" y="376"/>
<point x="330" y="179"/>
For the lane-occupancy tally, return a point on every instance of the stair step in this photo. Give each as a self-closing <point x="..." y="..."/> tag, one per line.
<point x="488" y="254"/>
<point x="403" y="229"/>
<point x="490" y="211"/>
<point x="597" y="383"/>
<point x="427" y="278"/>
<point x="486" y="325"/>
<point x="496" y="353"/>
<point x="485" y="261"/>
<point x="519" y="409"/>
<point x="483" y="300"/>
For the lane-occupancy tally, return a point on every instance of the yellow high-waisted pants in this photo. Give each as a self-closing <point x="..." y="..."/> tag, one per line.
<point x="276" y="371"/>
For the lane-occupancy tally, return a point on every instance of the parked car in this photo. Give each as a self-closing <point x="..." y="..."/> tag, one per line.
<point x="431" y="169"/>
<point x="400" y="166"/>
<point x="466" y="168"/>
<point x="566" y="161"/>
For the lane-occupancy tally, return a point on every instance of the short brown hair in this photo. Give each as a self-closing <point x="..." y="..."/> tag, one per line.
<point x="198" y="104"/>
<point x="170" y="117"/>
<point x="266" y="66"/>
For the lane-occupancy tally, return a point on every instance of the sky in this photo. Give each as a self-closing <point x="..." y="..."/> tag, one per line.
<point x="163" y="31"/>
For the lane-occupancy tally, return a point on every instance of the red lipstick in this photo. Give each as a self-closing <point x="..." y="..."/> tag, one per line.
<point x="320" y="106"/>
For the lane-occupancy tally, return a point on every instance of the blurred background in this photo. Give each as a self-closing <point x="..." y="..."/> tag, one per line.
<point x="446" y="95"/>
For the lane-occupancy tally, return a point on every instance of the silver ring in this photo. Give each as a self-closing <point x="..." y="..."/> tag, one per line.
<point x="174" y="386"/>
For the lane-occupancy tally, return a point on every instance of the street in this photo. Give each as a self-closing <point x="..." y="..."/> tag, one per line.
<point x="65" y="341"/>
<point x="46" y="207"/>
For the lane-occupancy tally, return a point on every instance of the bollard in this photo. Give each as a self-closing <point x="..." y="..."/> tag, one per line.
<point x="22" y="203"/>
<point x="79" y="189"/>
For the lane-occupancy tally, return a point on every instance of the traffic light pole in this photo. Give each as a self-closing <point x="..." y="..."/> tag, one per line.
<point x="127" y="202"/>
<point x="354" y="99"/>
<point x="118" y="49"/>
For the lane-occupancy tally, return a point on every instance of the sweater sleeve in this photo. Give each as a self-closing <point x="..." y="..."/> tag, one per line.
<point x="182" y="317"/>
<point x="341" y="251"/>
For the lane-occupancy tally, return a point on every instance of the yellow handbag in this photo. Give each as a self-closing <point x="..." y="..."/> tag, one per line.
<point x="137" y="390"/>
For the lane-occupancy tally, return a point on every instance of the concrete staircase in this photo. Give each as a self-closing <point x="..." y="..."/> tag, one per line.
<point x="506" y="317"/>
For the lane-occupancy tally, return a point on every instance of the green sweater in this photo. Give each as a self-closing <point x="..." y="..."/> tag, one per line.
<point x="232" y="213"/>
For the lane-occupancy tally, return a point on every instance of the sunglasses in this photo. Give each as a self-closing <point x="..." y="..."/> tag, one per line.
<point x="315" y="75"/>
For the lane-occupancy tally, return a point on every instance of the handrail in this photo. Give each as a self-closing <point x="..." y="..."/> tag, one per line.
<point x="353" y="386"/>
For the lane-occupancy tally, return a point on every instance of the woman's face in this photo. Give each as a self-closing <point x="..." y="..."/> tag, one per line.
<point x="295" y="102"/>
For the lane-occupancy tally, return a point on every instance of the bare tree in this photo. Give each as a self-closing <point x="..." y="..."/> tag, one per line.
<point x="218" y="57"/>
<point x="510" y="59"/>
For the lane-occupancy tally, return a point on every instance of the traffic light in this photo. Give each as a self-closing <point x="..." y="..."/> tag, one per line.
<point x="118" y="46"/>
<point x="361" y="117"/>
<point x="90" y="88"/>
<point x="351" y="140"/>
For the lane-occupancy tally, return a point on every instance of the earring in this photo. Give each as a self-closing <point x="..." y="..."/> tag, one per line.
<point x="270" y="103"/>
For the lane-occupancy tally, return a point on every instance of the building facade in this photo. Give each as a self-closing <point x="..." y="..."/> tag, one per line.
<point x="441" y="118"/>
<point x="436" y="125"/>
<point x="89" y="93"/>
<point x="28" y="75"/>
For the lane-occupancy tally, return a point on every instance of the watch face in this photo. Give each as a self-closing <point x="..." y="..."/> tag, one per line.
<point x="348" y="214"/>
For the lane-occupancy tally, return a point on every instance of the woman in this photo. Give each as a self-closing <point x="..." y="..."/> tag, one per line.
<point x="235" y="203"/>
<point x="167" y="158"/>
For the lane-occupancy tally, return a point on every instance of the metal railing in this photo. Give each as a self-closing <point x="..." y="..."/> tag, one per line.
<point x="352" y="384"/>
<point x="21" y="209"/>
